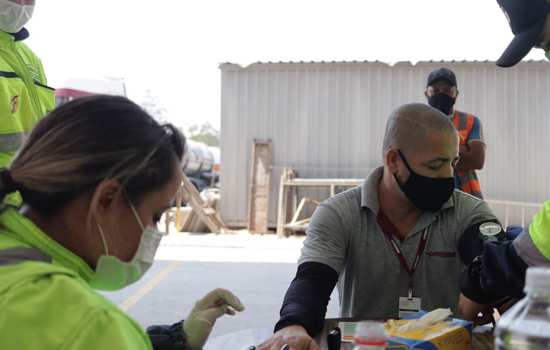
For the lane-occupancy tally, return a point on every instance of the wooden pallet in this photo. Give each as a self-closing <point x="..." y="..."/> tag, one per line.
<point x="201" y="210"/>
<point x="205" y="213"/>
<point x="290" y="182"/>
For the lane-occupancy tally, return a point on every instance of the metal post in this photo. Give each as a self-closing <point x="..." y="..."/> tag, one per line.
<point x="281" y="212"/>
<point x="506" y="215"/>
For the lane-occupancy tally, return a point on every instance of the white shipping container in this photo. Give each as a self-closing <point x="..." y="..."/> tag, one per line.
<point x="327" y="120"/>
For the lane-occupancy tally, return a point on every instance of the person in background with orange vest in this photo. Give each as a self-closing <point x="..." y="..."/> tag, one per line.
<point x="441" y="92"/>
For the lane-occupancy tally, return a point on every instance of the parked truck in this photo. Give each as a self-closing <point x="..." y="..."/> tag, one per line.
<point x="202" y="165"/>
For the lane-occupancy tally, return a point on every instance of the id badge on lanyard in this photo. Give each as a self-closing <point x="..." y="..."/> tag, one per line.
<point x="410" y="305"/>
<point x="407" y="304"/>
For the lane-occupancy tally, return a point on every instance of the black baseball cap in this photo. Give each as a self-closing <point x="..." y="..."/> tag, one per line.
<point x="526" y="18"/>
<point x="444" y="74"/>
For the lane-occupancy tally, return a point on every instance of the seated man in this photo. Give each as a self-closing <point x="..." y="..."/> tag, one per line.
<point x="395" y="244"/>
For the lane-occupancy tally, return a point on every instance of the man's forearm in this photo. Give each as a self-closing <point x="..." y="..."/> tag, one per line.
<point x="306" y="300"/>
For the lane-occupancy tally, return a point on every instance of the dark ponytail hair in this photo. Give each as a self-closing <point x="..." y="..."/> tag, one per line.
<point x="89" y="140"/>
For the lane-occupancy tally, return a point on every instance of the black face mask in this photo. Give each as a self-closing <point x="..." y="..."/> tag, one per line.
<point x="443" y="102"/>
<point x="426" y="193"/>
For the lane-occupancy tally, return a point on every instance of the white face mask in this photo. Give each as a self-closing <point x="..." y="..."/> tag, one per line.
<point x="14" y="16"/>
<point x="112" y="274"/>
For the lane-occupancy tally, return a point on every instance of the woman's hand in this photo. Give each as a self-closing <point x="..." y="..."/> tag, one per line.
<point x="200" y="322"/>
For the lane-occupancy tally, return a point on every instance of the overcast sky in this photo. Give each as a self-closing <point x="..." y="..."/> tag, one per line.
<point x="173" y="47"/>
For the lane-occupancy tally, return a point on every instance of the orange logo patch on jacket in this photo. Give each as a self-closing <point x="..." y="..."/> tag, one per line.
<point x="14" y="103"/>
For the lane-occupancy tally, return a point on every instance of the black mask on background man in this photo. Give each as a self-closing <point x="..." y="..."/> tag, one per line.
<point x="442" y="102"/>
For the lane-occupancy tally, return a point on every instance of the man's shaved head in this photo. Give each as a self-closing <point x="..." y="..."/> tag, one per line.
<point x="409" y="125"/>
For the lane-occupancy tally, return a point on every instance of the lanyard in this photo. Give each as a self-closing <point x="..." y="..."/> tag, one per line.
<point x="390" y="231"/>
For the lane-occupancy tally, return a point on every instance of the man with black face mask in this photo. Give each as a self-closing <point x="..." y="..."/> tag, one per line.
<point x="395" y="244"/>
<point x="441" y="92"/>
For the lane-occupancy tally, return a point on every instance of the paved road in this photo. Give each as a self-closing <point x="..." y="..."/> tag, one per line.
<point x="256" y="268"/>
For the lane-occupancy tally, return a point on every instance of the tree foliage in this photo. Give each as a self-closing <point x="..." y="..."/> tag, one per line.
<point x="154" y="107"/>
<point x="204" y="133"/>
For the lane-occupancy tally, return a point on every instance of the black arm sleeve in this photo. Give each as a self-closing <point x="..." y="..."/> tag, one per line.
<point x="496" y="274"/>
<point x="166" y="337"/>
<point x="307" y="297"/>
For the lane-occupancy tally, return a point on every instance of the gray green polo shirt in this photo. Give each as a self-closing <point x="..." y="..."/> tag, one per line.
<point x="344" y="235"/>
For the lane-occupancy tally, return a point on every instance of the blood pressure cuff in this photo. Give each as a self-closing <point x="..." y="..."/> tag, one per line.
<point x="499" y="272"/>
<point x="167" y="337"/>
<point x="474" y="237"/>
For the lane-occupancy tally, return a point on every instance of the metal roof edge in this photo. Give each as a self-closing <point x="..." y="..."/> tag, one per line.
<point x="227" y="66"/>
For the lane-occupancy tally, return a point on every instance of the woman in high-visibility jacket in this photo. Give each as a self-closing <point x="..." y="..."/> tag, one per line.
<point x="95" y="175"/>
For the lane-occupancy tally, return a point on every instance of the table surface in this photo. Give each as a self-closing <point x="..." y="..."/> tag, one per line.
<point x="244" y="339"/>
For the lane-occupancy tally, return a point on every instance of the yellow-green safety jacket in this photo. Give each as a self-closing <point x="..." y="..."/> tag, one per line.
<point x="539" y="231"/>
<point x="24" y="95"/>
<point x="45" y="300"/>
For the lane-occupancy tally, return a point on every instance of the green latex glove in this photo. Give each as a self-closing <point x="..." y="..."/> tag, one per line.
<point x="198" y="325"/>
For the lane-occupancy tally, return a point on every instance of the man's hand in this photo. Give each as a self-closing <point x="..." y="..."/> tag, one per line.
<point x="483" y="314"/>
<point x="472" y="156"/>
<point x="472" y="311"/>
<point x="295" y="337"/>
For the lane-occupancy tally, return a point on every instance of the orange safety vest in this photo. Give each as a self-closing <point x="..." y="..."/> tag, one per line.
<point x="466" y="181"/>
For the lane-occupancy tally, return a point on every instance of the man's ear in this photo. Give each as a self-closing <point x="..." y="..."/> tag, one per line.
<point x="390" y="159"/>
<point x="106" y="197"/>
<point x="426" y="93"/>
